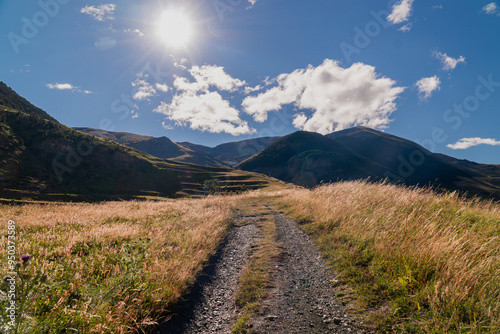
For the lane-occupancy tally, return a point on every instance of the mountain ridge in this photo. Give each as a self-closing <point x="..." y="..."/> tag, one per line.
<point x="161" y="147"/>
<point x="42" y="159"/>
<point x="360" y="153"/>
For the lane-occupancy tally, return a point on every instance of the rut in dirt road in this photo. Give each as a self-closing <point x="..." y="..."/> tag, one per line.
<point x="211" y="306"/>
<point x="302" y="298"/>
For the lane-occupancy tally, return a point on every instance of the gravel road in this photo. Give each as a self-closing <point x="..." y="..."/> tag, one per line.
<point x="211" y="307"/>
<point x="302" y="298"/>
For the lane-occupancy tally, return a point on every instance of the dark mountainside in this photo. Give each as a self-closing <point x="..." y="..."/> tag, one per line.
<point x="161" y="147"/>
<point x="11" y="100"/>
<point x="231" y="154"/>
<point x="43" y="159"/>
<point x="307" y="159"/>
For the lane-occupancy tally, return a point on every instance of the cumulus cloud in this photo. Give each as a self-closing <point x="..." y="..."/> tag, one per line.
<point x="162" y="87"/>
<point x="338" y="97"/>
<point x="249" y="90"/>
<point x="490" y="8"/>
<point x="144" y="89"/>
<point x="100" y="13"/>
<point x="466" y="143"/>
<point x="196" y="106"/>
<point x="426" y="86"/>
<point x="207" y="111"/>
<point x="208" y="76"/>
<point x="67" y="86"/>
<point x="401" y="12"/>
<point x="448" y="63"/>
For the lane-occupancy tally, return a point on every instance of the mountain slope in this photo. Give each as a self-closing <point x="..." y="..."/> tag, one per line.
<point x="10" y="99"/>
<point x="231" y="154"/>
<point x="43" y="159"/>
<point x="161" y="147"/>
<point x="308" y="159"/>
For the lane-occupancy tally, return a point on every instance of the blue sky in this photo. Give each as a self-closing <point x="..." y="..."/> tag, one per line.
<point x="427" y="71"/>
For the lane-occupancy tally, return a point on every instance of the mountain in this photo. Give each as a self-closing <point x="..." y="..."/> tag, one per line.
<point x="307" y="159"/>
<point x="231" y="154"/>
<point x="10" y="99"/>
<point x="43" y="159"/>
<point x="161" y="147"/>
<point x="224" y="155"/>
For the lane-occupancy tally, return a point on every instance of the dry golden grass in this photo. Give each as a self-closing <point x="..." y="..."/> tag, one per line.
<point x="113" y="267"/>
<point x="428" y="262"/>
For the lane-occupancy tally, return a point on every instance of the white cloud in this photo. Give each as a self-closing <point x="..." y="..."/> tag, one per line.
<point x="208" y="76"/>
<point x="407" y="27"/>
<point x="249" y="89"/>
<point x="437" y="7"/>
<point x="426" y="86"/>
<point x="134" y="31"/>
<point x="100" y="13"/>
<point x="195" y="105"/>
<point x="67" y="86"/>
<point x="338" y="97"/>
<point x="448" y="63"/>
<point x="207" y="111"/>
<point x="490" y="8"/>
<point x="401" y="12"/>
<point x="162" y="87"/>
<point x="144" y="89"/>
<point x="252" y="3"/>
<point x="466" y="143"/>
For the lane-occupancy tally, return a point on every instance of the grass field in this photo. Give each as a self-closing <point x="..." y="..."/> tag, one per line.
<point x="112" y="267"/>
<point x="417" y="262"/>
<point x="410" y="260"/>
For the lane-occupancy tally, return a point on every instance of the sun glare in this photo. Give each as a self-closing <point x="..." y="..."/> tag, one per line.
<point x="175" y="28"/>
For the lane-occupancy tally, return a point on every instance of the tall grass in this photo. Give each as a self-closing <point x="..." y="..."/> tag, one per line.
<point x="419" y="262"/>
<point x="113" y="267"/>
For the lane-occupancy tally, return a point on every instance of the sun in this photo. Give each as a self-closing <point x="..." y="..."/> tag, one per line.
<point x="175" y="28"/>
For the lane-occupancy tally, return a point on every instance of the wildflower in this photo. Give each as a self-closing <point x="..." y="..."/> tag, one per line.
<point x="25" y="258"/>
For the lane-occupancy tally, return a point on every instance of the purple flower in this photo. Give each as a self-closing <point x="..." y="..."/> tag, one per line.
<point x="25" y="257"/>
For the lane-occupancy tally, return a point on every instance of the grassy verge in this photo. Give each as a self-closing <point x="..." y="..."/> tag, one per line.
<point x="418" y="262"/>
<point x="113" y="267"/>
<point x="256" y="276"/>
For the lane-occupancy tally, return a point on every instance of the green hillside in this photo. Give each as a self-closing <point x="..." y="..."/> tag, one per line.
<point x="41" y="159"/>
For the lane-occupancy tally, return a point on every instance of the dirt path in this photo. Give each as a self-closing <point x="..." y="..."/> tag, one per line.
<point x="210" y="307"/>
<point x="302" y="298"/>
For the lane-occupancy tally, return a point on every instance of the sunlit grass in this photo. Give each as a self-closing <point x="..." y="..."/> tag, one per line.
<point x="416" y="261"/>
<point x="423" y="262"/>
<point x="113" y="267"/>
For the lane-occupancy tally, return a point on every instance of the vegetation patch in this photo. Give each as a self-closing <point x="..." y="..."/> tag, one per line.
<point x="117" y="267"/>
<point x="426" y="263"/>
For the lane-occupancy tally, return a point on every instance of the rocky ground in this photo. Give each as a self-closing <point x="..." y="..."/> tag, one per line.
<point x="211" y="307"/>
<point x="300" y="300"/>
